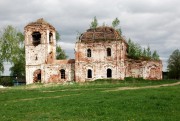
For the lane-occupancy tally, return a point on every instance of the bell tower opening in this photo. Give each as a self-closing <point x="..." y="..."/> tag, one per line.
<point x="36" y="37"/>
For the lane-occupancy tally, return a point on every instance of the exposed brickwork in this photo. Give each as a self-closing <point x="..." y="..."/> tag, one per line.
<point x="99" y="53"/>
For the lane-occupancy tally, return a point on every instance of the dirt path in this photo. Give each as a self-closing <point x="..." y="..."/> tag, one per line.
<point x="145" y="87"/>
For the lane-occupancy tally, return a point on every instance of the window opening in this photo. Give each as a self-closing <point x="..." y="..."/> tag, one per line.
<point x="108" y="51"/>
<point x="89" y="53"/>
<point x="89" y="73"/>
<point x="36" y="36"/>
<point x="62" y="73"/>
<point x="50" y="37"/>
<point x="109" y="73"/>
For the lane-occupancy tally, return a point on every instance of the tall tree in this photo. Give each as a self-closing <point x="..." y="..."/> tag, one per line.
<point x="134" y="50"/>
<point x="174" y="64"/>
<point x="115" y="25"/>
<point x="1" y="65"/>
<point x="60" y="53"/>
<point x="148" y="52"/>
<point x="144" y="54"/>
<point x="12" y="47"/>
<point x="155" y="55"/>
<point x="58" y="38"/>
<point x="94" y="23"/>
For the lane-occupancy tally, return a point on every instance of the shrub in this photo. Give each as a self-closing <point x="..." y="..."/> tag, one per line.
<point x="100" y="81"/>
<point x="133" y="79"/>
<point x="6" y="81"/>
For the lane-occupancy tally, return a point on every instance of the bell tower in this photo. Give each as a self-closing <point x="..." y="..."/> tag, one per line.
<point x="40" y="49"/>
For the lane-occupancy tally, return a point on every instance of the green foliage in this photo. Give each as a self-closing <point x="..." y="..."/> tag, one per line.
<point x="102" y="81"/>
<point x="1" y="65"/>
<point x="148" y="52"/>
<point x="6" y="81"/>
<point x="115" y="25"/>
<point x="174" y="65"/>
<point x="155" y="55"/>
<point x="57" y="36"/>
<point x="135" y="52"/>
<point x="12" y="50"/>
<point x="60" y="54"/>
<point x="144" y="54"/>
<point x="94" y="23"/>
<point x="133" y="79"/>
<point x="9" y="43"/>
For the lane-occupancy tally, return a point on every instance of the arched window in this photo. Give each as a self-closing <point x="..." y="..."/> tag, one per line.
<point x="89" y="73"/>
<point x="88" y="52"/>
<point x="109" y="73"/>
<point x="108" y="51"/>
<point x="50" y="37"/>
<point x="36" y="36"/>
<point x="62" y="73"/>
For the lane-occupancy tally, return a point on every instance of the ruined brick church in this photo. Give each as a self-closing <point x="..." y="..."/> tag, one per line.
<point x="100" y="53"/>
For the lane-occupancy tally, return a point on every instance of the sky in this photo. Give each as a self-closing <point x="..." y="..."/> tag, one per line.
<point x="154" y="23"/>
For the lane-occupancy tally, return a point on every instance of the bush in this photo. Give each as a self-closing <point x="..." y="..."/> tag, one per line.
<point x="6" y="81"/>
<point x="100" y="81"/>
<point x="130" y="79"/>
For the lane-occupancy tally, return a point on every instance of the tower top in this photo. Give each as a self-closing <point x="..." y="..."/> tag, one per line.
<point x="40" y="22"/>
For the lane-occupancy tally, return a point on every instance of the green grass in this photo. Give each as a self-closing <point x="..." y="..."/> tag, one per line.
<point x="91" y="102"/>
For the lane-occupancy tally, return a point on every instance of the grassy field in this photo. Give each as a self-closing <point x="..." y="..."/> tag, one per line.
<point x="95" y="101"/>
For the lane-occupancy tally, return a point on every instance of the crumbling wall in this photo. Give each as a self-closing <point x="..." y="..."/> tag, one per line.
<point x="52" y="71"/>
<point x="99" y="62"/>
<point x="142" y="68"/>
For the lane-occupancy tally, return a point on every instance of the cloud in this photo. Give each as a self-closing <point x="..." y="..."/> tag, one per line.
<point x="147" y="22"/>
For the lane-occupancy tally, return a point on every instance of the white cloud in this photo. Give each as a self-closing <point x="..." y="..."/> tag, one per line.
<point x="153" y="22"/>
<point x="67" y="46"/>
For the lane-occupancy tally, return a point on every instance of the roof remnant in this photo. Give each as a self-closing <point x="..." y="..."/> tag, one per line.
<point x="40" y="22"/>
<point x="100" y="33"/>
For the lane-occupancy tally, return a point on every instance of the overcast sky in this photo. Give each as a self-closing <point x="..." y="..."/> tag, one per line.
<point x="148" y="22"/>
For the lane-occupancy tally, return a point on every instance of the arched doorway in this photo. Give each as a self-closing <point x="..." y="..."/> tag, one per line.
<point x="109" y="73"/>
<point x="89" y="73"/>
<point x="37" y="76"/>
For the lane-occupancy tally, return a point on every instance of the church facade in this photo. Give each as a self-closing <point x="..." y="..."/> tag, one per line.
<point x="100" y="53"/>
